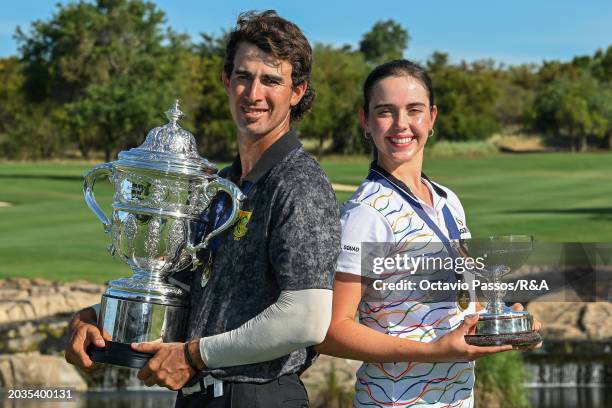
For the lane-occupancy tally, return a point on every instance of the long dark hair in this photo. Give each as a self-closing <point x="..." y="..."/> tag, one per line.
<point x="396" y="68"/>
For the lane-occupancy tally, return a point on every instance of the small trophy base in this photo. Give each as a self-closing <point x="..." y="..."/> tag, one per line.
<point x="517" y="340"/>
<point x="119" y="354"/>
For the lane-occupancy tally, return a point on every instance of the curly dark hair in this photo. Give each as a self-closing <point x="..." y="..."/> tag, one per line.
<point x="280" y="38"/>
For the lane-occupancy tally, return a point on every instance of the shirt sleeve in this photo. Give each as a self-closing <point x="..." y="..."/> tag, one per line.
<point x="305" y="232"/>
<point x="297" y="319"/>
<point x="366" y="233"/>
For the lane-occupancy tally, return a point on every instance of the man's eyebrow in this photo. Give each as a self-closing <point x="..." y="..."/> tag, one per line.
<point x="268" y="77"/>
<point x="272" y="77"/>
<point x="242" y="72"/>
<point x="383" y="105"/>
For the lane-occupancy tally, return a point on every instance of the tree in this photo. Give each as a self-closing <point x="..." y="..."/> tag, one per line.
<point x="387" y="40"/>
<point x="214" y="120"/>
<point x="11" y="81"/>
<point x="603" y="103"/>
<point x="215" y="129"/>
<point x="27" y="130"/>
<point x="516" y="86"/>
<point x="437" y="61"/>
<point x="109" y="64"/>
<point x="336" y="77"/>
<point x="575" y="109"/>
<point x="465" y="97"/>
<point x="602" y="65"/>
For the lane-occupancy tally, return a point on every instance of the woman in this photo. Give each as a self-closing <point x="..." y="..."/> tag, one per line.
<point x="414" y="351"/>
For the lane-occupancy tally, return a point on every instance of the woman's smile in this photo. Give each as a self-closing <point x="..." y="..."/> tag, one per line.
<point x="401" y="141"/>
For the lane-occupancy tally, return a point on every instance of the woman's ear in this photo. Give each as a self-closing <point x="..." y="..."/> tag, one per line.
<point x="434" y="114"/>
<point x="363" y="120"/>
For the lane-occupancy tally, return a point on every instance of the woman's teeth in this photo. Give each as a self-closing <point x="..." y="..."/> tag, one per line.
<point x="402" y="140"/>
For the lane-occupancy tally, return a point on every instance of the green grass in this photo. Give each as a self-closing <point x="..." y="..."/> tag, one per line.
<point x="556" y="196"/>
<point x="49" y="232"/>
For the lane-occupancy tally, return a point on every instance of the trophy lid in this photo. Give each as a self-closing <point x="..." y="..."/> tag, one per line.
<point x="168" y="148"/>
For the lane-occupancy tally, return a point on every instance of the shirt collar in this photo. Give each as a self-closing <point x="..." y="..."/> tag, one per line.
<point x="270" y="158"/>
<point x="374" y="166"/>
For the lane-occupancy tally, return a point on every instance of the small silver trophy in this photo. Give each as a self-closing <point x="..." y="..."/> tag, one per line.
<point x="500" y="324"/>
<point x="160" y="190"/>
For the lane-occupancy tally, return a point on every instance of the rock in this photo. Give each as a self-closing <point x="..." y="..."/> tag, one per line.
<point x="560" y="320"/>
<point x="331" y="381"/>
<point x="573" y="320"/>
<point x="48" y="335"/>
<point x="32" y="370"/>
<point x="597" y="320"/>
<point x="23" y="299"/>
<point x="16" y="310"/>
<point x="41" y="282"/>
<point x="18" y="283"/>
<point x="556" y="331"/>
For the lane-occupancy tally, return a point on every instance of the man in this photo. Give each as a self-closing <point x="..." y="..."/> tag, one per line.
<point x="268" y="294"/>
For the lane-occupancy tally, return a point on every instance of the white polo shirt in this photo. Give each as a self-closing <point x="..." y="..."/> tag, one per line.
<point x="377" y="213"/>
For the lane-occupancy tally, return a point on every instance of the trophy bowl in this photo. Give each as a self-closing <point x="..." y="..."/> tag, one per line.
<point x="161" y="188"/>
<point x="500" y="324"/>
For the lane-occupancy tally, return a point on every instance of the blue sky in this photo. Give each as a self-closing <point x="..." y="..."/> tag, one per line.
<point x="512" y="32"/>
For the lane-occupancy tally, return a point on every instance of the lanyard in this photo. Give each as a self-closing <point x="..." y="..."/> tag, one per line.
<point x="449" y="220"/>
<point x="462" y="296"/>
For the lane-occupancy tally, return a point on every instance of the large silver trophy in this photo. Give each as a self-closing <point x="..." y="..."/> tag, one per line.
<point x="160" y="190"/>
<point x="500" y="324"/>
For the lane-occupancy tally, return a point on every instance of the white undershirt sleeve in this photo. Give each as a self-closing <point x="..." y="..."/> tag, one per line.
<point x="299" y="318"/>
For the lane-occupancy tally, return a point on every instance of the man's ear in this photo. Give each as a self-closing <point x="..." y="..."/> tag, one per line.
<point x="298" y="92"/>
<point x="225" y="80"/>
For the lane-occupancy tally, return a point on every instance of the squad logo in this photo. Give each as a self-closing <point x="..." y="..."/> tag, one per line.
<point x="351" y="248"/>
<point x="240" y="229"/>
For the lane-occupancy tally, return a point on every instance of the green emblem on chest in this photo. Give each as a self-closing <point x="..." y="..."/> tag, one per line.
<point x="240" y="229"/>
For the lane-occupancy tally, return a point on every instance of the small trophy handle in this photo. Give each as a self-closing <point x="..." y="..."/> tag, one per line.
<point x="88" y="191"/>
<point x="211" y="189"/>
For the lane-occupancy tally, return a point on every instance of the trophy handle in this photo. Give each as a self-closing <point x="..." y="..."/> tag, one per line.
<point x="88" y="191"/>
<point x="211" y="189"/>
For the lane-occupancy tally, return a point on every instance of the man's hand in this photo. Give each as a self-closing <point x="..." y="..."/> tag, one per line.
<point x="452" y="346"/>
<point x="536" y="325"/>
<point x="168" y="367"/>
<point x="84" y="333"/>
<point x="517" y="307"/>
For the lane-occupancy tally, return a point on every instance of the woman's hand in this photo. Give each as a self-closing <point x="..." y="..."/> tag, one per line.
<point x="517" y="307"/>
<point x="536" y="327"/>
<point x="452" y="346"/>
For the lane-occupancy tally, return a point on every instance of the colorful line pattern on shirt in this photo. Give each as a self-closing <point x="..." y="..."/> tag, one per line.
<point x="409" y="384"/>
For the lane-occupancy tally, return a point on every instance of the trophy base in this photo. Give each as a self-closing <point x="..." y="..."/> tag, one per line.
<point x="516" y="340"/>
<point x="118" y="354"/>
